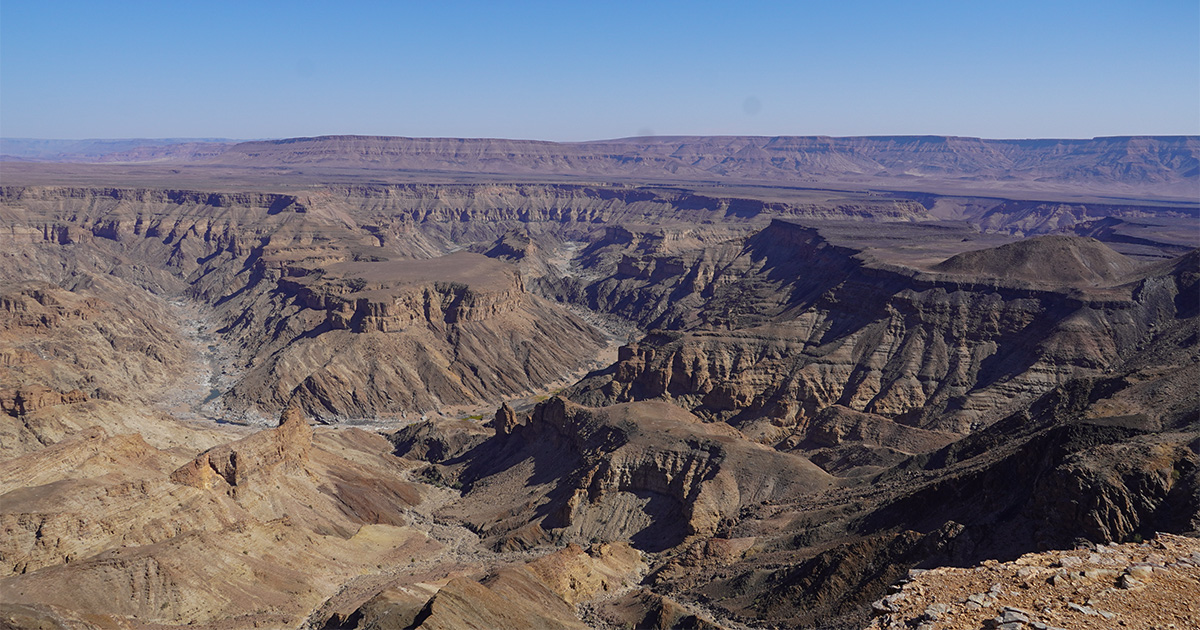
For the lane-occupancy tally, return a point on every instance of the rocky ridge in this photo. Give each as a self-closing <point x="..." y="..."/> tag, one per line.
<point x="819" y="406"/>
<point x="1059" y="260"/>
<point x="1131" y="585"/>
<point x="1166" y="163"/>
<point x="768" y="331"/>
<point x="99" y="509"/>
<point x="372" y="337"/>
<point x="646" y="472"/>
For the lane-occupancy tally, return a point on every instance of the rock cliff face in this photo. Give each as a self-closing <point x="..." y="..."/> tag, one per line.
<point x="389" y="336"/>
<point x="645" y="472"/>
<point x="788" y="324"/>
<point x="235" y="464"/>
<point x="24" y="401"/>
<point x="314" y="290"/>
<point x="818" y="391"/>
<point x="390" y="296"/>
<point x="88" y="340"/>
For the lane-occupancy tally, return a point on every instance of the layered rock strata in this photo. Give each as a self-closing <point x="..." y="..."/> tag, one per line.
<point x="646" y="472"/>
<point x="819" y="409"/>
<point x="107" y="528"/>
<point x="786" y="324"/>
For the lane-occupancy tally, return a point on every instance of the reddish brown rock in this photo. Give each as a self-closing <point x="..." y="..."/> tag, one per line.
<point x="23" y="401"/>
<point x="231" y="465"/>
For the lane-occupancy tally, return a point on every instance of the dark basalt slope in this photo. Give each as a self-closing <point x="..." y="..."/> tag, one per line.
<point x="1061" y="260"/>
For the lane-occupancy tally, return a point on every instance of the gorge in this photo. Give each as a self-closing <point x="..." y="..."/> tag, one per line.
<point x="360" y="382"/>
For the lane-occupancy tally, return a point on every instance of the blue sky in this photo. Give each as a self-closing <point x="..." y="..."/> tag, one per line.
<point x="589" y="70"/>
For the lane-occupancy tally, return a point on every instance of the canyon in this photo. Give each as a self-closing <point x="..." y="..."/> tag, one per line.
<point x="359" y="382"/>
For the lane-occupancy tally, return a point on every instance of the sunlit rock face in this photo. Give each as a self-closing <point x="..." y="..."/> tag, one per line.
<point x="381" y="403"/>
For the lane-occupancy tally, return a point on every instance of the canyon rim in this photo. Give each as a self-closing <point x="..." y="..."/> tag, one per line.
<point x="362" y="382"/>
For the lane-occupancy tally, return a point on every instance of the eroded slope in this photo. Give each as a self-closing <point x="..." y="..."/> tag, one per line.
<point x="820" y="406"/>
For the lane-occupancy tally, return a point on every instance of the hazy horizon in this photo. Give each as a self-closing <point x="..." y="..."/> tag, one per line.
<point x="570" y="73"/>
<point x="584" y="141"/>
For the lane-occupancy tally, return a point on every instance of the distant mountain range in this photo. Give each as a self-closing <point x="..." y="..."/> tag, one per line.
<point x="1159" y="166"/>
<point x="106" y="150"/>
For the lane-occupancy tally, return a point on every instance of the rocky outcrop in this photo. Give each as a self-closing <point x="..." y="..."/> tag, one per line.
<point x="732" y="283"/>
<point x="646" y="472"/>
<point x="454" y="289"/>
<point x="363" y="338"/>
<point x="96" y="526"/>
<point x="513" y="246"/>
<point x="438" y="441"/>
<point x="646" y="609"/>
<point x="233" y="465"/>
<point x="850" y="443"/>
<point x="1047" y="476"/>
<point x="578" y="575"/>
<point x="513" y="599"/>
<point x="89" y="339"/>
<point x="505" y="420"/>
<point x="792" y="324"/>
<point x="830" y="584"/>
<point x="541" y="593"/>
<point x="1134" y="585"/>
<point x="1115" y="492"/>
<point x="22" y="401"/>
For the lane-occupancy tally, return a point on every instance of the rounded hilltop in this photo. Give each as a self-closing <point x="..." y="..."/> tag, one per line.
<point x="1044" y="260"/>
